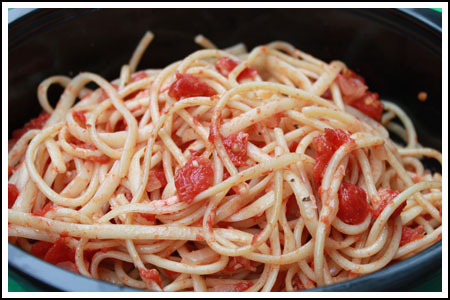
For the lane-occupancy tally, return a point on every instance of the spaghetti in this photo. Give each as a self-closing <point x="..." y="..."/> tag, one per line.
<point x="227" y="171"/>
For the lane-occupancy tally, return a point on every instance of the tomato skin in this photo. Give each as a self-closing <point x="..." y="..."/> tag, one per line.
<point x="386" y="196"/>
<point x="410" y="235"/>
<point x="326" y="144"/>
<point x="13" y="193"/>
<point x="186" y="86"/>
<point x="370" y="105"/>
<point x="36" y="123"/>
<point x="353" y="206"/>
<point x="226" y="65"/>
<point x="59" y="252"/>
<point x="236" y="146"/>
<point x="191" y="180"/>
<point x="152" y="274"/>
<point x="40" y="248"/>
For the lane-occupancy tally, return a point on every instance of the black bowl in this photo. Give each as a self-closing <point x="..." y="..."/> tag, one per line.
<point x="397" y="51"/>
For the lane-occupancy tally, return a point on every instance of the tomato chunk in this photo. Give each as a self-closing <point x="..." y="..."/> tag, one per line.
<point x="354" y="92"/>
<point x="80" y="118"/>
<point x="386" y="196"/>
<point x="193" y="178"/>
<point x="42" y="211"/>
<point x="353" y="205"/>
<point x="149" y="217"/>
<point x="13" y="193"/>
<point x="326" y="144"/>
<point x="156" y="179"/>
<point x="352" y="85"/>
<point x="186" y="86"/>
<point x="40" y="248"/>
<point x="225" y="65"/>
<point x="410" y="235"/>
<point x="152" y="274"/>
<point x="370" y="105"/>
<point x="36" y="123"/>
<point x="236" y="146"/>
<point x="59" y="252"/>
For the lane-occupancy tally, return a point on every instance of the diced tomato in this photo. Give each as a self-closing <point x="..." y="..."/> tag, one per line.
<point x="152" y="274"/>
<point x="370" y="105"/>
<point x="225" y="65"/>
<point x="351" y="84"/>
<point x="386" y="196"/>
<point x="273" y="121"/>
<point x="193" y="178"/>
<point x="171" y="274"/>
<point x="236" y="146"/>
<point x="242" y="286"/>
<point x="36" y="123"/>
<point x="326" y="144"/>
<point x="149" y="217"/>
<point x="353" y="205"/>
<point x="40" y="248"/>
<point x="186" y="86"/>
<point x="237" y="263"/>
<point x="13" y="193"/>
<point x="80" y="118"/>
<point x="410" y="235"/>
<point x="292" y="208"/>
<point x="59" y="252"/>
<point x="156" y="179"/>
<point x="138" y="76"/>
<point x="105" y="95"/>
<point x="327" y="95"/>
<point x="42" y="211"/>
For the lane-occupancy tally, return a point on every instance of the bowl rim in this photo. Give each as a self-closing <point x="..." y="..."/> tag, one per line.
<point x="25" y="264"/>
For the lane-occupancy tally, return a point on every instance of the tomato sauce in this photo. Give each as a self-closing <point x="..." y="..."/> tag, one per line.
<point x="80" y="118"/>
<point x="370" y="105"/>
<point x="42" y="211"/>
<point x="353" y="205"/>
<point x="186" y="86"/>
<point x="326" y="144"/>
<point x="193" y="178"/>
<point x="156" y="179"/>
<point x="53" y="253"/>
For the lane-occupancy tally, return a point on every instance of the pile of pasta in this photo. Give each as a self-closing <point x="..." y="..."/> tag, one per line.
<point x="229" y="170"/>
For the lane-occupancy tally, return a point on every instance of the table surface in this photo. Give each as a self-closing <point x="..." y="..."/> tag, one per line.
<point x="433" y="284"/>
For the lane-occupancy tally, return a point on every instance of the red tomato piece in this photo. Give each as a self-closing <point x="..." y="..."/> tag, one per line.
<point x="236" y="146"/>
<point x="138" y="76"/>
<point x="13" y="193"/>
<point x="410" y="235"/>
<point x="193" y="178"/>
<point x="237" y="263"/>
<point x="386" y="196"/>
<point x="42" y="211"/>
<point x="186" y="86"/>
<point x="80" y="118"/>
<point x="370" y="105"/>
<point x="326" y="144"/>
<point x="353" y="205"/>
<point x="351" y="84"/>
<point x="156" y="179"/>
<point x="36" y="123"/>
<point x="59" y="252"/>
<point x="151" y="275"/>
<point x="225" y="65"/>
<point x="327" y="95"/>
<point x="40" y="248"/>
<point x="149" y="217"/>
